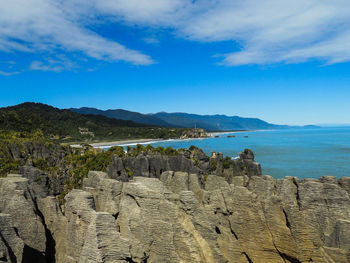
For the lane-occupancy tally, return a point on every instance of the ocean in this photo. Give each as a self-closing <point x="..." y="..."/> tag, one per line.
<point x="304" y="153"/>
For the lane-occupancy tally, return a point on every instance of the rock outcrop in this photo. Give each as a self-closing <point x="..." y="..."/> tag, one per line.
<point x="191" y="161"/>
<point x="19" y="202"/>
<point x="178" y="217"/>
<point x="194" y="133"/>
<point x="11" y="246"/>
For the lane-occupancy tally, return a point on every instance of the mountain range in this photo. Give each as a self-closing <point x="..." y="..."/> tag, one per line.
<point x="185" y="120"/>
<point x="125" y="115"/>
<point x="64" y="124"/>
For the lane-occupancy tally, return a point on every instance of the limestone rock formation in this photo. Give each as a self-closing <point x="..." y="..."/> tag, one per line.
<point x="11" y="246"/>
<point x="193" y="161"/>
<point x="177" y="217"/>
<point x="18" y="200"/>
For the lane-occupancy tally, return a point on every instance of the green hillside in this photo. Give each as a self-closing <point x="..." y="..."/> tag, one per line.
<point x="67" y="126"/>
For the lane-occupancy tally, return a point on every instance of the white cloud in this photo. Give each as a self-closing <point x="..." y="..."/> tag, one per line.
<point x="45" y="26"/>
<point x="4" y="73"/>
<point x="269" y="31"/>
<point x="151" y="40"/>
<point x="58" y="64"/>
<point x="277" y="31"/>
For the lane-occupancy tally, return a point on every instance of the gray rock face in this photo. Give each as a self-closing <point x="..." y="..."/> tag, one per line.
<point x="53" y="153"/>
<point x="178" y="217"/>
<point x="18" y="200"/>
<point x="193" y="161"/>
<point x="151" y="165"/>
<point x="11" y="246"/>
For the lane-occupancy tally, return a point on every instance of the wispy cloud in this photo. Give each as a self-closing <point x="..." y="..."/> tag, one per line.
<point x="270" y="31"/>
<point x="267" y="32"/>
<point x="277" y="31"/>
<point x="4" y="73"/>
<point x="47" y="26"/>
<point x="151" y="40"/>
<point x="58" y="64"/>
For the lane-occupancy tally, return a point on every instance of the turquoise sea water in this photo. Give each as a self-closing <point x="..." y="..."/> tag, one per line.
<point x="304" y="153"/>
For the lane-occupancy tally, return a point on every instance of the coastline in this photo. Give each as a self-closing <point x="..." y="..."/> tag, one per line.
<point x="125" y="143"/>
<point x="138" y="141"/>
<point x="211" y="134"/>
<point x="134" y="142"/>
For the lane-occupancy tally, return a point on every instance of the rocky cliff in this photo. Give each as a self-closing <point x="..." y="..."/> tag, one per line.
<point x="194" y="133"/>
<point x="193" y="160"/>
<point x="61" y="168"/>
<point x="177" y="217"/>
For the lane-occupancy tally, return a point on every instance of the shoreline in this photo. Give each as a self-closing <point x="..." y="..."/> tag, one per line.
<point x="211" y="134"/>
<point x="133" y="142"/>
<point x="125" y="142"/>
<point x="138" y="141"/>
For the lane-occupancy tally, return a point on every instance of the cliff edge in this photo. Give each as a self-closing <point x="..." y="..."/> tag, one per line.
<point x="177" y="217"/>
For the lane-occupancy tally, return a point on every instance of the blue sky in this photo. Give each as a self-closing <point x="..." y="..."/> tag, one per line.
<point x="286" y="63"/>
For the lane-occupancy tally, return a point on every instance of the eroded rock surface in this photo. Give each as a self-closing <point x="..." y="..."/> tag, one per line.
<point x="178" y="218"/>
<point x="19" y="202"/>
<point x="193" y="161"/>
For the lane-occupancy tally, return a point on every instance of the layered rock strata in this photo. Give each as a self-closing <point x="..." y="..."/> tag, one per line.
<point x="178" y="218"/>
<point x="190" y="161"/>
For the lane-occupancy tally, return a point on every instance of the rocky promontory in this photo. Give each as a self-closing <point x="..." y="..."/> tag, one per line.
<point x="183" y="207"/>
<point x="194" y="133"/>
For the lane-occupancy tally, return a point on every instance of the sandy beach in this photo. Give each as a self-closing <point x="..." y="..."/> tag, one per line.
<point x="124" y="143"/>
<point x="149" y="141"/>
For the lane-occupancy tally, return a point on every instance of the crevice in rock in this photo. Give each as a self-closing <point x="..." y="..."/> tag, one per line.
<point x="144" y="259"/>
<point x="233" y="233"/>
<point x="289" y="258"/>
<point x="287" y="220"/>
<point x="50" y="250"/>
<point x="272" y="238"/>
<point x="31" y="255"/>
<point x="297" y="196"/>
<point x="9" y="249"/>
<point x="226" y="207"/>
<point x="133" y="197"/>
<point x="149" y="171"/>
<point x="217" y="230"/>
<point x="130" y="260"/>
<point x="16" y="231"/>
<point x="247" y="257"/>
<point x="116" y="216"/>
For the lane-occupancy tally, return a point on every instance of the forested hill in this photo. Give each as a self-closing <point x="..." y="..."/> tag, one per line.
<point x="65" y="125"/>
<point x="125" y="115"/>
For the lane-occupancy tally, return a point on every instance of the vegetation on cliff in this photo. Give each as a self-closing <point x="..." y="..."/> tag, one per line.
<point x="63" y="168"/>
<point x="15" y="150"/>
<point x="68" y="126"/>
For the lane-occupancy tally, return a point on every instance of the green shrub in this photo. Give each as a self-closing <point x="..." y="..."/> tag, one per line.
<point x="226" y="163"/>
<point x="129" y="173"/>
<point x="204" y="178"/>
<point x="213" y="164"/>
<point x="170" y="151"/>
<point x="196" y="162"/>
<point x="41" y="164"/>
